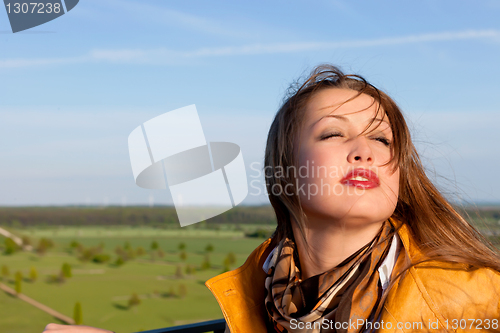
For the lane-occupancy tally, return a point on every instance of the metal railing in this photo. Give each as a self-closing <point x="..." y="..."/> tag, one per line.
<point x="216" y="326"/>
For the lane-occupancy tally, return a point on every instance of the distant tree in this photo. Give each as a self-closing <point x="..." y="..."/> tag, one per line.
<point x="171" y="292"/>
<point x="134" y="300"/>
<point x="119" y="261"/>
<point x="119" y="250"/>
<point x="229" y="261"/>
<point x="127" y="246"/>
<point x="183" y="255"/>
<point x="60" y="278"/>
<point x="66" y="270"/>
<point x="130" y="254"/>
<point x="44" y="245"/>
<point x="178" y="272"/>
<point x="140" y="251"/>
<point x="87" y="254"/>
<point x="205" y="264"/>
<point x="182" y="290"/>
<point x="74" y="244"/>
<point x="56" y="278"/>
<point x="154" y="245"/>
<point x="77" y="314"/>
<point x="190" y="270"/>
<point x="5" y="272"/>
<point x="19" y="280"/>
<point x="161" y="254"/>
<point x="182" y="246"/>
<point x="94" y="254"/>
<point x="225" y="267"/>
<point x="10" y="246"/>
<point x="101" y="258"/>
<point x="33" y="274"/>
<point x="259" y="233"/>
<point x="231" y="258"/>
<point x="26" y="241"/>
<point x="209" y="248"/>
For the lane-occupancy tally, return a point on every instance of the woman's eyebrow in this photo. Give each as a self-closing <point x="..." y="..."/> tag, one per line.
<point x="346" y="119"/>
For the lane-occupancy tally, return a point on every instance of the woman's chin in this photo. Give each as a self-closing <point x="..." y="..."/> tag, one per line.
<point x="356" y="211"/>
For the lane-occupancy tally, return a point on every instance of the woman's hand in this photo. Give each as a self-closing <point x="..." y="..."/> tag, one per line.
<point x="57" y="328"/>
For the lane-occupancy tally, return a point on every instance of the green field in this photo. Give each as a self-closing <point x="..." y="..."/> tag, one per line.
<point x="104" y="289"/>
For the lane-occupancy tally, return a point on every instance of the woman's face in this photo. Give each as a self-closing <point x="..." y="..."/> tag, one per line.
<point x="341" y="173"/>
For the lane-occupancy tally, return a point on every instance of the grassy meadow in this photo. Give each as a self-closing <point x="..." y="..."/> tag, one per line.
<point x="117" y="252"/>
<point x="104" y="289"/>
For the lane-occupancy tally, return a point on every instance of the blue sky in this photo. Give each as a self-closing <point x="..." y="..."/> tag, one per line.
<point x="73" y="89"/>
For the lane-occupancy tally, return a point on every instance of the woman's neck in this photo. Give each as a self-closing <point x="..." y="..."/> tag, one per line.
<point x="330" y="243"/>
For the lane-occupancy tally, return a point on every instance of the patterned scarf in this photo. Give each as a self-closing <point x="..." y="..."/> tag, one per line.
<point x="349" y="291"/>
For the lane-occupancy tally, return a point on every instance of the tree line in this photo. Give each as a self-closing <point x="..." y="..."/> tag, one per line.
<point x="158" y="216"/>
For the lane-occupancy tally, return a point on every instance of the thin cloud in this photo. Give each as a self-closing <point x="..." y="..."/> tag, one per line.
<point x="314" y="46"/>
<point x="163" y="56"/>
<point x="165" y="16"/>
<point x="38" y="62"/>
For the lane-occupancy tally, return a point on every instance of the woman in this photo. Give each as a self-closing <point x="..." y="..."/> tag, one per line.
<point x="364" y="241"/>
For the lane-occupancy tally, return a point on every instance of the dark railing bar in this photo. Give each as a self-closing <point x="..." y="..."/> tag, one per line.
<point x="217" y="326"/>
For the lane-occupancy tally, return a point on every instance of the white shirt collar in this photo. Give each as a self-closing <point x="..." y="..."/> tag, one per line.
<point x="387" y="265"/>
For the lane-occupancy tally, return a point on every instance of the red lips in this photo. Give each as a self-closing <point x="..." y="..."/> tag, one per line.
<point x="371" y="181"/>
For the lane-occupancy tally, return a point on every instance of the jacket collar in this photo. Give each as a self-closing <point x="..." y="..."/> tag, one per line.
<point x="241" y="292"/>
<point x="406" y="237"/>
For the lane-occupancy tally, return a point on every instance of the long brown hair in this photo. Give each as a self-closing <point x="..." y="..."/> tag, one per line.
<point x="439" y="231"/>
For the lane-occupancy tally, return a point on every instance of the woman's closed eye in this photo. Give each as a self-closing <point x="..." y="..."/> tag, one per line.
<point x="381" y="139"/>
<point x="384" y="140"/>
<point x="331" y="135"/>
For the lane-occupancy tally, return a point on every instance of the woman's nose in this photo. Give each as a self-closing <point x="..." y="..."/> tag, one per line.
<point x="360" y="151"/>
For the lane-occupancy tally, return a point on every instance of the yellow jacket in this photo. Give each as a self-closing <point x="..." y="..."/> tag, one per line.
<point x="426" y="299"/>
